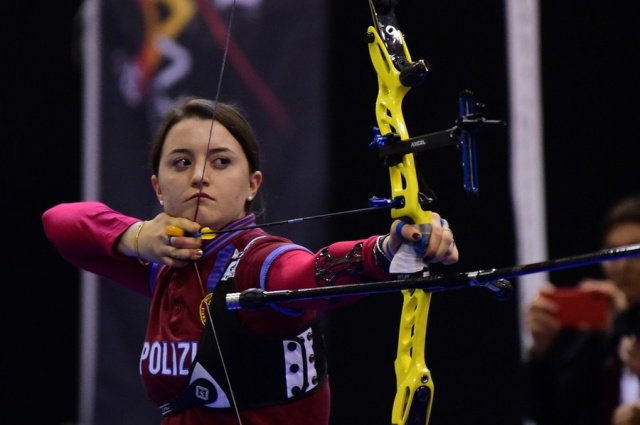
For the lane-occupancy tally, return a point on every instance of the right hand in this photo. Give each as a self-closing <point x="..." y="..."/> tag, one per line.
<point x="542" y="321"/>
<point x="154" y="245"/>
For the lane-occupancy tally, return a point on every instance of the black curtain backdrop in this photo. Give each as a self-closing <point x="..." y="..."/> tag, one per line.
<point x="589" y="92"/>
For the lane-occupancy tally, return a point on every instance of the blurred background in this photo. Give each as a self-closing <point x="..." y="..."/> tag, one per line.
<point x="317" y="64"/>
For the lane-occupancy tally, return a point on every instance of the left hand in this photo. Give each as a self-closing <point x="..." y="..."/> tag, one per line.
<point x="439" y="247"/>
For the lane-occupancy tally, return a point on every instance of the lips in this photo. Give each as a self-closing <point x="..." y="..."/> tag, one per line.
<point x="200" y="196"/>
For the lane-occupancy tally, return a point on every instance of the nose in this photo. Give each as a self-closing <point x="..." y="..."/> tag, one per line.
<point x="199" y="176"/>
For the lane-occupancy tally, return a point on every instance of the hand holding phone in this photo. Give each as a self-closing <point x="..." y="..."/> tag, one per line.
<point x="583" y="309"/>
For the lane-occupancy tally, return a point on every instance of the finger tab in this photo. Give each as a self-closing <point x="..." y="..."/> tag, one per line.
<point x="173" y="231"/>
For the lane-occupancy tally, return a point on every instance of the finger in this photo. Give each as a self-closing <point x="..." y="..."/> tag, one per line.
<point x="447" y="233"/>
<point x="183" y="227"/>
<point x="450" y="256"/>
<point x="435" y="251"/>
<point x="401" y="232"/>
<point x="181" y="257"/>
<point x="447" y="245"/>
<point x="446" y="250"/>
<point x="183" y="242"/>
<point x="546" y="323"/>
<point x="178" y="242"/>
<point x="405" y="231"/>
<point x="544" y="308"/>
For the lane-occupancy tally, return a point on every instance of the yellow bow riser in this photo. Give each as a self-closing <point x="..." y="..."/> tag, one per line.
<point x="414" y="384"/>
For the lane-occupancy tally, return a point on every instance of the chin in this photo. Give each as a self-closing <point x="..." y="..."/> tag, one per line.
<point x="207" y="220"/>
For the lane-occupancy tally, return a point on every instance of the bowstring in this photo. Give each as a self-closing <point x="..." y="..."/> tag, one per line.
<point x="200" y="188"/>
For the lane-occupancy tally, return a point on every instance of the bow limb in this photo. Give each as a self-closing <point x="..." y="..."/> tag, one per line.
<point x="414" y="390"/>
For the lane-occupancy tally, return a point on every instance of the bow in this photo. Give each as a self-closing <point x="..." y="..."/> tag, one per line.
<point x="396" y="75"/>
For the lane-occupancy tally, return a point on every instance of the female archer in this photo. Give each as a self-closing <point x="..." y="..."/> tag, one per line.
<point x="200" y="362"/>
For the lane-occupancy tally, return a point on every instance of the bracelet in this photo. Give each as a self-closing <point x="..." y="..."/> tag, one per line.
<point x="135" y="245"/>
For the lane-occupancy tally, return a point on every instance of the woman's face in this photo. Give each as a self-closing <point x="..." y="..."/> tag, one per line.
<point x="222" y="171"/>
<point x="624" y="272"/>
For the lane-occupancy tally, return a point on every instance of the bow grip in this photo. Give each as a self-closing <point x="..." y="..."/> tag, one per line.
<point x="405" y="261"/>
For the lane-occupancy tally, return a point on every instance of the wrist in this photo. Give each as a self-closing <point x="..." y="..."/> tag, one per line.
<point x="381" y="252"/>
<point x="136" y="249"/>
<point x="387" y="247"/>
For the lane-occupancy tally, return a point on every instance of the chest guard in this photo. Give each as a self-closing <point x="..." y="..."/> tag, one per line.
<point x="260" y="370"/>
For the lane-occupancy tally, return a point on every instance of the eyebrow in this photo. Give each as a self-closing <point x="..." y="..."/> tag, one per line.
<point x="219" y="150"/>
<point x="211" y="151"/>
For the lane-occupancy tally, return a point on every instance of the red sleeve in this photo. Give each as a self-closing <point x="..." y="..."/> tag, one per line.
<point x="295" y="269"/>
<point x="85" y="233"/>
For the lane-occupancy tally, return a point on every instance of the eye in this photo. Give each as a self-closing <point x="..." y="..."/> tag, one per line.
<point x="181" y="163"/>
<point x="220" y="162"/>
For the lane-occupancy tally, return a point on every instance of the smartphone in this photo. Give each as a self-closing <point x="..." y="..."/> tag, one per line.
<point x="589" y="310"/>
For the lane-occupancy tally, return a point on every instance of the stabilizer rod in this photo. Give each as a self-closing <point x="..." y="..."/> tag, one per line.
<point x="492" y="279"/>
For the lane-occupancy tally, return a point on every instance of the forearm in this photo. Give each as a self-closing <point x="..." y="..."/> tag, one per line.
<point x="86" y="234"/>
<point x="341" y="263"/>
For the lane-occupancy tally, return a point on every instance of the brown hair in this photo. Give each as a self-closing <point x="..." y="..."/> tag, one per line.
<point x="227" y="114"/>
<point x="626" y="210"/>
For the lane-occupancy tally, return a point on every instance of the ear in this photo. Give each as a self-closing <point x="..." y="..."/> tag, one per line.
<point x="156" y="187"/>
<point x="254" y="183"/>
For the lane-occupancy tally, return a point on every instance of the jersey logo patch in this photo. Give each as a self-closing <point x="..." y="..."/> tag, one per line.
<point x="204" y="307"/>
